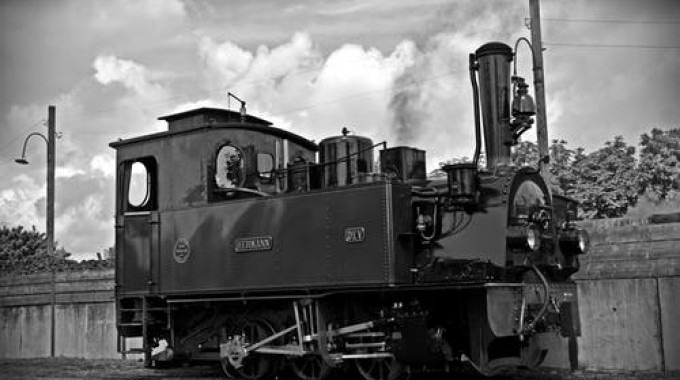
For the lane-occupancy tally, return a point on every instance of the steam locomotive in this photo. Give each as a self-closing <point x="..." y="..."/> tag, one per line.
<point x="235" y="244"/>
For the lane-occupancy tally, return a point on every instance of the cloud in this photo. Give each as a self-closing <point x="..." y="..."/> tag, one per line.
<point x="258" y="76"/>
<point x="133" y="76"/>
<point x="16" y="202"/>
<point x="104" y="164"/>
<point x="418" y="96"/>
<point x="227" y="61"/>
<point x="123" y="15"/>
<point x="415" y="94"/>
<point x="293" y="85"/>
<point x="83" y="208"/>
<point x="87" y="195"/>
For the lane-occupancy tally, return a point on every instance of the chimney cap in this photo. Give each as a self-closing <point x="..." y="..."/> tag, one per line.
<point x="494" y="48"/>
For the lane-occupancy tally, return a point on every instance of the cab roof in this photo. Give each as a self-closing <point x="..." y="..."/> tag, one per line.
<point x="215" y="118"/>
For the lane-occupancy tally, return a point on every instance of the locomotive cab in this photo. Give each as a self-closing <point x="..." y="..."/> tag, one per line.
<point x="206" y="156"/>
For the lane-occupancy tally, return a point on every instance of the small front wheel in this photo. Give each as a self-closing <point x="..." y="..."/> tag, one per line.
<point x="310" y="367"/>
<point x="380" y="369"/>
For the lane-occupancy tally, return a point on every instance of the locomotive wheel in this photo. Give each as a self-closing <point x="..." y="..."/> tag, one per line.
<point x="310" y="367"/>
<point x="255" y="366"/>
<point x="379" y="369"/>
<point x="227" y="369"/>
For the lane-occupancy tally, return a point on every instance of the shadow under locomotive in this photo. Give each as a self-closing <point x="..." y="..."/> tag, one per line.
<point x="235" y="244"/>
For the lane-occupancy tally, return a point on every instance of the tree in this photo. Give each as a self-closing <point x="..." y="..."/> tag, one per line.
<point x="23" y="251"/>
<point x="660" y="164"/>
<point x="604" y="181"/>
<point x="525" y="153"/>
<point x="561" y="159"/>
<point x="17" y="242"/>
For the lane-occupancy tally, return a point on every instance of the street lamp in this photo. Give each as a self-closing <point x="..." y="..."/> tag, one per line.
<point x="51" y="154"/>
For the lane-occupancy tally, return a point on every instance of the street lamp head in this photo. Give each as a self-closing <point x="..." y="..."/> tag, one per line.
<point x="21" y="161"/>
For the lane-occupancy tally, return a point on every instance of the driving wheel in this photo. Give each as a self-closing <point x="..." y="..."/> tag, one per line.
<point x="252" y="366"/>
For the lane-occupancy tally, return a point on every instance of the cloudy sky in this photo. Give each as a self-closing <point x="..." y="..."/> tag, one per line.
<point x="310" y="66"/>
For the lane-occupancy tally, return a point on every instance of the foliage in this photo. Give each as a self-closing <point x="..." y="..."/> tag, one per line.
<point x="25" y="251"/>
<point x="649" y="205"/>
<point x="659" y="165"/>
<point x="561" y="159"/>
<point x="18" y="242"/>
<point x="604" y="181"/>
<point x="525" y="153"/>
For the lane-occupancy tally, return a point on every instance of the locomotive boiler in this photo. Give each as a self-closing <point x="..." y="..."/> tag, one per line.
<point x="251" y="246"/>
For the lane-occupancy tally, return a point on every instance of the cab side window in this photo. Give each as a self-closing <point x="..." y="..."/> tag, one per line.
<point x="140" y="185"/>
<point x="265" y="167"/>
<point x="230" y="171"/>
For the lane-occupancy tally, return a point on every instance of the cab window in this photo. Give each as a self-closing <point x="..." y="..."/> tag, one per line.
<point x="265" y="166"/>
<point x="140" y="183"/>
<point x="229" y="167"/>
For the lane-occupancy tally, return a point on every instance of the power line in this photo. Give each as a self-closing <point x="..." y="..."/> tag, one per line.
<point x="643" y="22"/>
<point x="624" y="46"/>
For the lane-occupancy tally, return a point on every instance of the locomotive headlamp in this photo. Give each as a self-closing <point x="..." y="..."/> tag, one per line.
<point x="533" y="238"/>
<point x="574" y="241"/>
<point x="524" y="238"/>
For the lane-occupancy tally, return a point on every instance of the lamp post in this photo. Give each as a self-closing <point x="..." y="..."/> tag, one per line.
<point x="51" y="155"/>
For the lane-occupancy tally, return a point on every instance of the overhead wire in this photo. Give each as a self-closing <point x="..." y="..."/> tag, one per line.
<point x="611" y="21"/>
<point x="20" y="134"/>
<point x="615" y="46"/>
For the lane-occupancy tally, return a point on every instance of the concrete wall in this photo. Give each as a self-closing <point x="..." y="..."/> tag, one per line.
<point x="629" y="296"/>
<point x="86" y="330"/>
<point x="84" y="315"/>
<point x="669" y="299"/>
<point x="628" y="285"/>
<point x="23" y="330"/>
<point x="620" y="325"/>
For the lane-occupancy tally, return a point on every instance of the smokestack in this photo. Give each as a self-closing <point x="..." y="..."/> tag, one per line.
<point x="493" y="60"/>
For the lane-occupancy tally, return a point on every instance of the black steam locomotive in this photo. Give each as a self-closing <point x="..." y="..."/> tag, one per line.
<point x="234" y="243"/>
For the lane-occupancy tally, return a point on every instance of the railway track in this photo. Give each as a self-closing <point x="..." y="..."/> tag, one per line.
<point x="69" y="368"/>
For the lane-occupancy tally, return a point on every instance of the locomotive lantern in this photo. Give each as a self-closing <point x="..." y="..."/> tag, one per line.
<point x="235" y="244"/>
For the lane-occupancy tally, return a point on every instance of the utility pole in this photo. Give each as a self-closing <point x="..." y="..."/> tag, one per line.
<point x="539" y="86"/>
<point x="51" y="160"/>
<point x="50" y="140"/>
